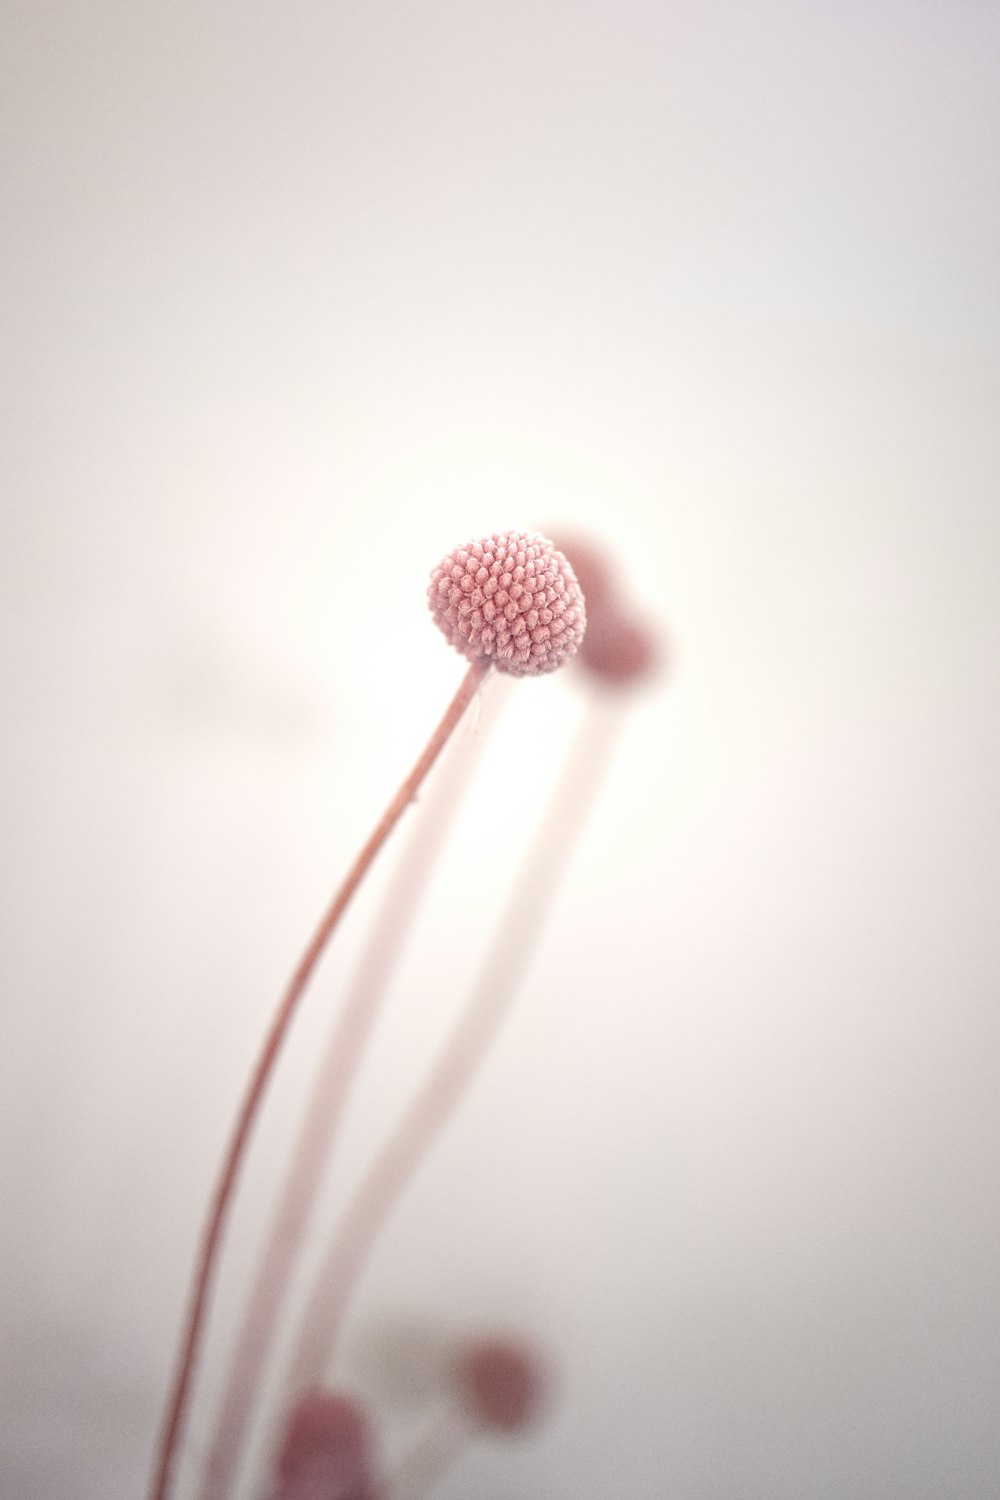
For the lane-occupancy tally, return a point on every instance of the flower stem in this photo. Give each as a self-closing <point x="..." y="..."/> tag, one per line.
<point x="330" y="1095"/>
<point x="222" y="1196"/>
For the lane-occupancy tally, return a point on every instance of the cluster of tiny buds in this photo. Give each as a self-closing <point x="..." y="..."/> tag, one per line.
<point x="511" y="598"/>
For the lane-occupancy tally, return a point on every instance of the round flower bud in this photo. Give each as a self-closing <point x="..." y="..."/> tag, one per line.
<point x="325" y="1451"/>
<point x="500" y="1383"/>
<point x="511" y="598"/>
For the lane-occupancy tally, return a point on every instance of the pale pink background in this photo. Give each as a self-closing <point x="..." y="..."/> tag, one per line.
<point x="298" y="296"/>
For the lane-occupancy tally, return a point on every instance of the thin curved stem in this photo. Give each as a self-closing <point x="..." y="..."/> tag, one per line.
<point x="328" y="1102"/>
<point x="222" y="1196"/>
<point x="459" y="1058"/>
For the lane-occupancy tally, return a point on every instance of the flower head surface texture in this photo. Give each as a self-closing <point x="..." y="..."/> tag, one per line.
<point x="510" y="597"/>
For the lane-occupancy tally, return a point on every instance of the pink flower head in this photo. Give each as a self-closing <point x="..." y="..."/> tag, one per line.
<point x="325" y="1451"/>
<point x="510" y="597"/>
<point x="501" y="1383"/>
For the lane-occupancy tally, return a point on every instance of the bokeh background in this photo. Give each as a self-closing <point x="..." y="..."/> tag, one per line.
<point x="297" y="297"/>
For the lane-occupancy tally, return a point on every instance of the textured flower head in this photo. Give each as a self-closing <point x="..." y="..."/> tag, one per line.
<point x="510" y="597"/>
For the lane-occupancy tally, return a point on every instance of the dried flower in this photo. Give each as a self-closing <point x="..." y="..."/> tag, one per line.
<point x="511" y="598"/>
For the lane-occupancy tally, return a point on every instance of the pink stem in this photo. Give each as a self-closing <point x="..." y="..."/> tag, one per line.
<point x="223" y="1195"/>
<point x="317" y="1136"/>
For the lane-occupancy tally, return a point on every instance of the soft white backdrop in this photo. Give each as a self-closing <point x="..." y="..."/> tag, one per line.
<point x="297" y="297"/>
